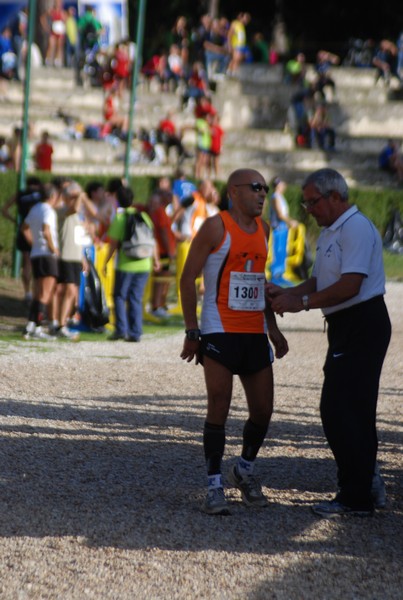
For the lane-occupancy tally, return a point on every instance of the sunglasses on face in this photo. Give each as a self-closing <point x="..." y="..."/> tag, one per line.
<point x="255" y="186"/>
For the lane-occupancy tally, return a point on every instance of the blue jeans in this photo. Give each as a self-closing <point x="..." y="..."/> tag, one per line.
<point x="128" y="298"/>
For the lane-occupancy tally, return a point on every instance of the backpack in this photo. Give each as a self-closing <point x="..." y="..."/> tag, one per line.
<point x="95" y="312"/>
<point x="139" y="241"/>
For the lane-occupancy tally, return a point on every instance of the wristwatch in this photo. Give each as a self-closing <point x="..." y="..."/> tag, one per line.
<point x="305" y="302"/>
<point x="193" y="334"/>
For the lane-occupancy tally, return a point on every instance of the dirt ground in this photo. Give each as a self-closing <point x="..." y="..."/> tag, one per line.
<point x="102" y="476"/>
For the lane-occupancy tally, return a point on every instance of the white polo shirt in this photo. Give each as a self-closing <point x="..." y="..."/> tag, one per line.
<point x="352" y="244"/>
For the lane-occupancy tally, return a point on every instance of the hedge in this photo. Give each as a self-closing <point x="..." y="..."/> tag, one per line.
<point x="378" y="205"/>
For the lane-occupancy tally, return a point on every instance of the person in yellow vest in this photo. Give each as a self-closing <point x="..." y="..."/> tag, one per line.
<point x="237" y="41"/>
<point x="71" y="49"/>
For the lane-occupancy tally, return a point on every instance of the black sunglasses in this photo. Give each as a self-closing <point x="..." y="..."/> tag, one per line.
<point x="255" y="186"/>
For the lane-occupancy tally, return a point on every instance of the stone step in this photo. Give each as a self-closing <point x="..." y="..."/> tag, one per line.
<point x="283" y="141"/>
<point x="348" y="77"/>
<point x="88" y="156"/>
<point x="293" y="174"/>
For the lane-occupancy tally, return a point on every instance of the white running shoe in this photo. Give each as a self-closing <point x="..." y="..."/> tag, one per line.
<point x="67" y="334"/>
<point x="38" y="334"/>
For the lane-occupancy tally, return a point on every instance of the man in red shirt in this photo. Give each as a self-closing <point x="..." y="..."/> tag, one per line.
<point x="168" y="136"/>
<point x="43" y="153"/>
<point x="166" y="245"/>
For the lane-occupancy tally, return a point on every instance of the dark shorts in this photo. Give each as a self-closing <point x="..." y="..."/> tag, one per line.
<point x="21" y="243"/>
<point x="45" y="266"/>
<point x="240" y="353"/>
<point x="70" y="272"/>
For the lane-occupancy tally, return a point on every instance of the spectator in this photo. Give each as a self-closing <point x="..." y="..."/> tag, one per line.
<point x="4" y="155"/>
<point x="166" y="134"/>
<point x="166" y="241"/>
<point x="237" y="41"/>
<point x="72" y="42"/>
<point x="323" y="83"/>
<point x="180" y="37"/>
<point x="321" y="130"/>
<point x="280" y="43"/>
<point x="43" y="153"/>
<point x="53" y="22"/>
<point x="280" y="223"/>
<point x="399" y="66"/>
<point x="15" y="148"/>
<point x="197" y="83"/>
<point x="176" y="65"/>
<point x="121" y="67"/>
<point x="260" y="49"/>
<point x="113" y="120"/>
<point x="385" y="61"/>
<point x="72" y="261"/>
<point x="24" y="200"/>
<point x="40" y="230"/>
<point x="89" y="29"/>
<point x="389" y="160"/>
<point x="203" y="107"/>
<point x="295" y="70"/>
<point x="216" y="49"/>
<point x="217" y="135"/>
<point x="20" y="31"/>
<point x="198" y="37"/>
<point x="105" y="210"/>
<point x="131" y="275"/>
<point x="203" y="147"/>
<point x="298" y="117"/>
<point x="8" y="61"/>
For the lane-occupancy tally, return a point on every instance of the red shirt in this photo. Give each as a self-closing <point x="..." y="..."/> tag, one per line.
<point x="43" y="157"/>
<point x="121" y="64"/>
<point x="167" y="127"/>
<point x="217" y="134"/>
<point x="162" y="221"/>
<point x="203" y="109"/>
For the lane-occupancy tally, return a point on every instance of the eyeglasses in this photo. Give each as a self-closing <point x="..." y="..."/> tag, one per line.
<point x="311" y="203"/>
<point x="255" y="186"/>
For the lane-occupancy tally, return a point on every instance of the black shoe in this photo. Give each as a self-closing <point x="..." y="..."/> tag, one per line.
<point x="131" y="338"/>
<point x="116" y="336"/>
<point x="334" y="508"/>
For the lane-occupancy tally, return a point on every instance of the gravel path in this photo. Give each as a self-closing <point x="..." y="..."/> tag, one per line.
<point x="102" y="478"/>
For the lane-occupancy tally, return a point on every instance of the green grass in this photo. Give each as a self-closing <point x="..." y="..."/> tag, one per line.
<point x="171" y="326"/>
<point x="393" y="266"/>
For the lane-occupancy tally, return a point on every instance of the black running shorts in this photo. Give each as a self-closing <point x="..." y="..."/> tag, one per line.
<point x="241" y="353"/>
<point x="45" y="266"/>
<point x="70" y="272"/>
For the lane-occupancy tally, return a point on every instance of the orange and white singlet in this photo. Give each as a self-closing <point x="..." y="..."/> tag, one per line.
<point x="234" y="278"/>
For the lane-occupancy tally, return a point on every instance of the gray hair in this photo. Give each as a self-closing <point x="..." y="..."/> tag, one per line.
<point x="72" y="189"/>
<point x="327" y="181"/>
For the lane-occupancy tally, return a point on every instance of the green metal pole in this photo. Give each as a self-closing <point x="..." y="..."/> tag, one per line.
<point x="25" y="120"/>
<point x="137" y="66"/>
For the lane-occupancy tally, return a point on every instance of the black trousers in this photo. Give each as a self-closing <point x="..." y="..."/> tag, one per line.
<point x="358" y="340"/>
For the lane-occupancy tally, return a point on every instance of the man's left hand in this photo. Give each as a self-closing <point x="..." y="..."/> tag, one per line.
<point x="279" y="342"/>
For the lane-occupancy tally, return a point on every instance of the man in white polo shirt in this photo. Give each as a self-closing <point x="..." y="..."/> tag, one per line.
<point x="348" y="284"/>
